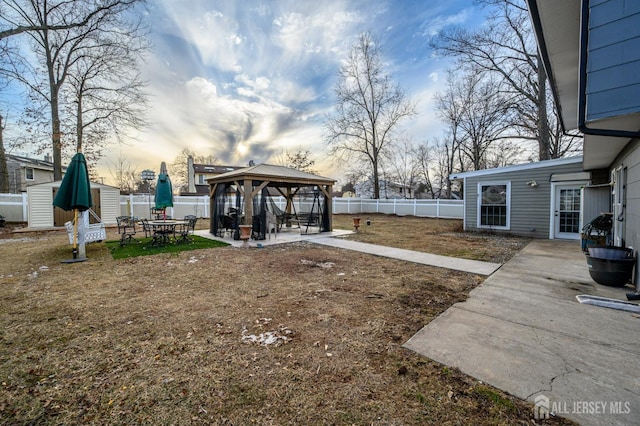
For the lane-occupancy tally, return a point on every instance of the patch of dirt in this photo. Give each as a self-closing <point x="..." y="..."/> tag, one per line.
<point x="288" y="334"/>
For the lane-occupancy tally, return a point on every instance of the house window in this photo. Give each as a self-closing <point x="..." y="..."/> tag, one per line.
<point x="493" y="205"/>
<point x="28" y="173"/>
<point x="201" y="180"/>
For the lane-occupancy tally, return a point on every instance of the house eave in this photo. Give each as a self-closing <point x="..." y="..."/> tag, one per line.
<point x="517" y="167"/>
<point x="557" y="29"/>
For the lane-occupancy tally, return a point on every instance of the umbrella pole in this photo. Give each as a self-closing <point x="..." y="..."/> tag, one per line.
<point x="75" y="233"/>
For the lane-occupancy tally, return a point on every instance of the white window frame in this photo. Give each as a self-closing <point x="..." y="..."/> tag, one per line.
<point x="479" y="205"/>
<point x="201" y="179"/>
<point x="33" y="173"/>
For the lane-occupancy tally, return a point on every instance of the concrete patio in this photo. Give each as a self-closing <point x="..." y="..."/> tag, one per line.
<point x="523" y="331"/>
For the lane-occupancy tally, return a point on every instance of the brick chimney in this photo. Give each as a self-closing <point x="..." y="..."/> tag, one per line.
<point x="191" y="176"/>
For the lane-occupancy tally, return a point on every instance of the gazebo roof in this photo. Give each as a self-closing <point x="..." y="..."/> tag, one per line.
<point x="274" y="174"/>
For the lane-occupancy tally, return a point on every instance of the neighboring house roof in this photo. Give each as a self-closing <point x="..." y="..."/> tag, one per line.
<point x="518" y="167"/>
<point x="32" y="162"/>
<point x="273" y="173"/>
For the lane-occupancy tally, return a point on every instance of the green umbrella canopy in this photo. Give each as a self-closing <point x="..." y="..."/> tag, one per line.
<point x="75" y="189"/>
<point x="164" y="191"/>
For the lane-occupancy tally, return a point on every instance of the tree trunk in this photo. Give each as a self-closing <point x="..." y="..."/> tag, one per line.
<point x="54" y="88"/>
<point x="4" y="171"/>
<point x="56" y="135"/>
<point x="79" y="124"/>
<point x="376" y="181"/>
<point x="544" y="143"/>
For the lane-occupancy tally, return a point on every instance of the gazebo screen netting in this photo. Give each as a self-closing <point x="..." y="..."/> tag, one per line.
<point x="305" y="208"/>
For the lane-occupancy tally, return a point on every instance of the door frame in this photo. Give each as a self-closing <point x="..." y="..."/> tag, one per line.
<point x="619" y="204"/>
<point x="553" y="219"/>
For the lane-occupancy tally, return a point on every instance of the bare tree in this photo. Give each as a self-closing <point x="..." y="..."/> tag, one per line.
<point x="65" y="22"/>
<point x="9" y="64"/>
<point x="124" y="174"/>
<point x="63" y="32"/>
<point x="424" y="162"/>
<point x="300" y="159"/>
<point x="505" y="47"/>
<point x="403" y="166"/>
<point x="179" y="169"/>
<point x="369" y="106"/>
<point x="4" y="171"/>
<point x="106" y="89"/>
<point x="482" y="119"/>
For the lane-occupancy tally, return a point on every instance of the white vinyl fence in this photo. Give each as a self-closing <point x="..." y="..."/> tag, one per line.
<point x="14" y="207"/>
<point x="140" y="205"/>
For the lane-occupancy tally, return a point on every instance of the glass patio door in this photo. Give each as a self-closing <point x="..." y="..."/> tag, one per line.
<point x="567" y="212"/>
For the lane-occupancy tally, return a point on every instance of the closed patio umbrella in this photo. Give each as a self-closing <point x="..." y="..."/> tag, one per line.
<point x="75" y="193"/>
<point x="164" y="190"/>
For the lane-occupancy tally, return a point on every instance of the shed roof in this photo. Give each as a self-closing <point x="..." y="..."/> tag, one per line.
<point x="55" y="184"/>
<point x="280" y="174"/>
<point x="518" y="167"/>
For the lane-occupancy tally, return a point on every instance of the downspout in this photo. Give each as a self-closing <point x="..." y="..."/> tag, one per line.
<point x="582" y="87"/>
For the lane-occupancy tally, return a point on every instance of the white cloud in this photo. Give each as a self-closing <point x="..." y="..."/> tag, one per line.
<point x="243" y="80"/>
<point x="435" y="25"/>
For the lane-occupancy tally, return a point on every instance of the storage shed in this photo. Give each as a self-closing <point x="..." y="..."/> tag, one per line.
<point x="539" y="200"/>
<point x="42" y="213"/>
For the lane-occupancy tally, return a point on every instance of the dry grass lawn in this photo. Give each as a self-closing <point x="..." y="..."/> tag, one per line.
<point x="290" y="334"/>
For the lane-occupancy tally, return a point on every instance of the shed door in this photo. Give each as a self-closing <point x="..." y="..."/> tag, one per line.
<point x="566" y="215"/>
<point x="61" y="216"/>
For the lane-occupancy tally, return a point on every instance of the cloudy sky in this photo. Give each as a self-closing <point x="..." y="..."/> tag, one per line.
<point x="244" y="80"/>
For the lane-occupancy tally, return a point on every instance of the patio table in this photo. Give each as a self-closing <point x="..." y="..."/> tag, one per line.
<point x="162" y="230"/>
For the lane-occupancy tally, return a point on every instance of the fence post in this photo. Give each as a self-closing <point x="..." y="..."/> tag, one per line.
<point x="415" y="207"/>
<point x="25" y="209"/>
<point x="438" y="207"/>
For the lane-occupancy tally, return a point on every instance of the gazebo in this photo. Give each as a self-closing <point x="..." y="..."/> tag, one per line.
<point x="244" y="196"/>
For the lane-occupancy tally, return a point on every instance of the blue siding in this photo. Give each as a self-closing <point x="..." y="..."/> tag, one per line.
<point x="613" y="80"/>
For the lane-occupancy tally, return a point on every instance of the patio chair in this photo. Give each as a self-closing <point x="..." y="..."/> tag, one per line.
<point x="146" y="228"/>
<point x="158" y="214"/>
<point x="227" y="225"/>
<point x="184" y="229"/>
<point x="127" y="229"/>
<point x="122" y="222"/>
<point x="272" y="223"/>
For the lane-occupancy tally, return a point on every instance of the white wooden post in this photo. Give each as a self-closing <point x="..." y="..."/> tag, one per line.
<point x="25" y="207"/>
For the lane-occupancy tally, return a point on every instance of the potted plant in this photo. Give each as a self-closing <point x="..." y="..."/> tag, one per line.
<point x="356" y="222"/>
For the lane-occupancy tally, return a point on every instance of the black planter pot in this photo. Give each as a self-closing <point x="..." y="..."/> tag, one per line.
<point x="611" y="272"/>
<point x="610" y="252"/>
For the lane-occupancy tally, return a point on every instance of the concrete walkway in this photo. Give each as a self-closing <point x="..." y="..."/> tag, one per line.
<point x="523" y="331"/>
<point x="464" y="265"/>
<point x="329" y="239"/>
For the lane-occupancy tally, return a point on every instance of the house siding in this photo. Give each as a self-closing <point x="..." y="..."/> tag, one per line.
<point x="530" y="206"/>
<point x="630" y="158"/>
<point x="613" y="83"/>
